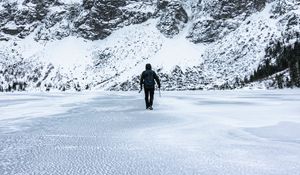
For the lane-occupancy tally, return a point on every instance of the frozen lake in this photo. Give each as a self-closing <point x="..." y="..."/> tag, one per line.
<point x="207" y="133"/>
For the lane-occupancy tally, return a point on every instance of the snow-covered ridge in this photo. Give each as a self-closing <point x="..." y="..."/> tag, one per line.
<point x="78" y="45"/>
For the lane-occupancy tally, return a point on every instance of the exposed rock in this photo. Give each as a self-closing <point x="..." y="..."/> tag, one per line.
<point x="173" y="17"/>
<point x="290" y="26"/>
<point x="282" y="7"/>
<point x="217" y="18"/>
<point x="226" y="9"/>
<point x="209" y="30"/>
<point x="102" y="17"/>
<point x="12" y="31"/>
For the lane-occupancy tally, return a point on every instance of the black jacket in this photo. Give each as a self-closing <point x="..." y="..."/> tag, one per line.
<point x="145" y="75"/>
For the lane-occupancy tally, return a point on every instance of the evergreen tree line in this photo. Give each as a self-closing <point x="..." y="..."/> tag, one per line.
<point x="286" y="57"/>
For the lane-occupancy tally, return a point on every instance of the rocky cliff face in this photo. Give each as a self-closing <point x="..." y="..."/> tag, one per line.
<point x="100" y="18"/>
<point x="87" y="44"/>
<point x="90" y="19"/>
<point x="173" y="17"/>
<point x="97" y="19"/>
<point x="215" y="19"/>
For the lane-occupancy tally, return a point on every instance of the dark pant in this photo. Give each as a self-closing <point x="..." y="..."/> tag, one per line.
<point x="149" y="96"/>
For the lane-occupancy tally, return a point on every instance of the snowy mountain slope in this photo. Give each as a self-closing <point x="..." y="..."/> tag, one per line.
<point x="245" y="48"/>
<point x="92" y="44"/>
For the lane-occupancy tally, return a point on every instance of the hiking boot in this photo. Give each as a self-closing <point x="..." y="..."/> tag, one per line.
<point x="150" y="108"/>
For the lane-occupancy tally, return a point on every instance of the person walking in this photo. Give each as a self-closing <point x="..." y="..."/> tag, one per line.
<point x="148" y="79"/>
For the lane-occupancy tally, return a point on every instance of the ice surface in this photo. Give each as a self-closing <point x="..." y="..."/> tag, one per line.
<point x="22" y="107"/>
<point x="200" y="132"/>
<point x="283" y="131"/>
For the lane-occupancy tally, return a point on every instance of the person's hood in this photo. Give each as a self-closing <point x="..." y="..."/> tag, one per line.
<point x="148" y="66"/>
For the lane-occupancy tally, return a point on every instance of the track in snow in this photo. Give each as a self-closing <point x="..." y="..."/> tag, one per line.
<point x="219" y="132"/>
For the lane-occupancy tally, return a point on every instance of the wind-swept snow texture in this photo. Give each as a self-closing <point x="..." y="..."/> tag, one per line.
<point x="207" y="133"/>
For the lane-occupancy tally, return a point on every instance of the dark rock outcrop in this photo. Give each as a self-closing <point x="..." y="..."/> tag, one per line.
<point x="218" y="18"/>
<point x="103" y="17"/>
<point x="226" y="9"/>
<point x="173" y="17"/>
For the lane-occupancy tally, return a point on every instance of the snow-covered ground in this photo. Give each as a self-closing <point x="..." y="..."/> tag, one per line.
<point x="199" y="132"/>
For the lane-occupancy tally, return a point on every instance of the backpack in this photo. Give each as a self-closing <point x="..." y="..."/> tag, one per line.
<point x="149" y="79"/>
